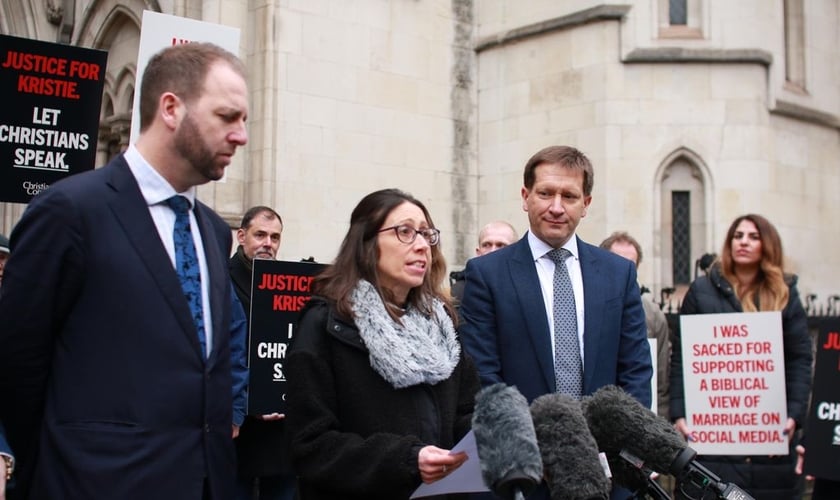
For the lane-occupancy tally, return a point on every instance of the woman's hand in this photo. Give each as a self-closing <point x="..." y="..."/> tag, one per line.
<point x="790" y="429"/>
<point x="682" y="428"/>
<point x="436" y="463"/>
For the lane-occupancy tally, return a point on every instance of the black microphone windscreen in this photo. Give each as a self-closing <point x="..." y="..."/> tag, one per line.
<point x="507" y="445"/>
<point x="619" y="422"/>
<point x="569" y="452"/>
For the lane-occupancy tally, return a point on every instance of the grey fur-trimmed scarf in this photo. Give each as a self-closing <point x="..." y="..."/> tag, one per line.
<point x="422" y="350"/>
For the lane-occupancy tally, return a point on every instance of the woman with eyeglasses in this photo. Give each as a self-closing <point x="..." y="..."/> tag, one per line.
<point x="379" y="388"/>
<point x="750" y="277"/>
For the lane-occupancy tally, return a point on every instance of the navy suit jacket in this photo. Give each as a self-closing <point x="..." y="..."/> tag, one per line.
<point x="505" y="325"/>
<point x="110" y="394"/>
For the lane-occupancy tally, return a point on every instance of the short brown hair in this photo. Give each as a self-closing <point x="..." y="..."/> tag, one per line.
<point x="565" y="156"/>
<point x="180" y="69"/>
<point x="252" y="212"/>
<point x="623" y="237"/>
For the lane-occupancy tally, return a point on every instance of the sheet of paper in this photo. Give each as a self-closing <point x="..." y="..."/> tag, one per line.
<point x="464" y="479"/>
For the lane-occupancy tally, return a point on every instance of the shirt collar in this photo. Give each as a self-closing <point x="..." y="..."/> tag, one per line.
<point x="539" y="248"/>
<point x="154" y="188"/>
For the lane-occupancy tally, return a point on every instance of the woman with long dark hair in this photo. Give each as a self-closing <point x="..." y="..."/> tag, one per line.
<point x="379" y="387"/>
<point x="750" y="277"/>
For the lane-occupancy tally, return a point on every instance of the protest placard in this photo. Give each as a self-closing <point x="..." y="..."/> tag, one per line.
<point x="734" y="380"/>
<point x="52" y="100"/>
<point x="823" y="429"/>
<point x="279" y="290"/>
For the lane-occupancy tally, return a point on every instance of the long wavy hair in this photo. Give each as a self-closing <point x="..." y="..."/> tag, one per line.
<point x="359" y="254"/>
<point x="768" y="292"/>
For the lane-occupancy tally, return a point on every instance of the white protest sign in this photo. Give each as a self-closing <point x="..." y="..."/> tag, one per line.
<point x="159" y="31"/>
<point x="734" y="378"/>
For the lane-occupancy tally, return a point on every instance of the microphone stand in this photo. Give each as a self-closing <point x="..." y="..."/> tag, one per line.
<point x="655" y="491"/>
<point x="515" y="485"/>
<point x="652" y="489"/>
<point x="694" y="480"/>
<point x="699" y="480"/>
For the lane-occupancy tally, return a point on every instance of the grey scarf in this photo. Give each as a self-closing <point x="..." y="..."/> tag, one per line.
<point x="423" y="350"/>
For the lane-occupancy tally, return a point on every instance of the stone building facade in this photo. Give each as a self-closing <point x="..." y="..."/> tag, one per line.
<point x="693" y="112"/>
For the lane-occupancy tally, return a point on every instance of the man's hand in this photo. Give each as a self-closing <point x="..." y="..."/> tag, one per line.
<point x="272" y="416"/>
<point x="800" y="461"/>
<point x="2" y="479"/>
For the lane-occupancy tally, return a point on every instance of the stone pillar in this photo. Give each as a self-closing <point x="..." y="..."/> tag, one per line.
<point x="261" y="178"/>
<point x="227" y="196"/>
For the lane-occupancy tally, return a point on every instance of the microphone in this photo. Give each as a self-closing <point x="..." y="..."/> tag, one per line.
<point x="507" y="445"/>
<point x="620" y="424"/>
<point x="569" y="452"/>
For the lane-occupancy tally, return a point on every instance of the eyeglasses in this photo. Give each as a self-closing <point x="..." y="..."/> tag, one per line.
<point x="408" y="234"/>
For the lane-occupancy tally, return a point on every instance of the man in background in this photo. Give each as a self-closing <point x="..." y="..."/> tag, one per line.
<point x="117" y="308"/>
<point x="621" y="243"/>
<point x="263" y="470"/>
<point x="492" y="237"/>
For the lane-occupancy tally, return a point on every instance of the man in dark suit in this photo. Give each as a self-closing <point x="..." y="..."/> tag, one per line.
<point x="118" y="368"/>
<point x="263" y="468"/>
<point x="508" y="306"/>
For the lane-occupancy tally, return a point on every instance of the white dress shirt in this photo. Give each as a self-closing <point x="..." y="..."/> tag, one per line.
<point x="545" y="271"/>
<point x="156" y="190"/>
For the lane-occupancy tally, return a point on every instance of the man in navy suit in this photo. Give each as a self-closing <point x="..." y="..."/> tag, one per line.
<point x="507" y="309"/>
<point x="113" y="393"/>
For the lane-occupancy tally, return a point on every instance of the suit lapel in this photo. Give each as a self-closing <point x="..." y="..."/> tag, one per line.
<point x="130" y="209"/>
<point x="218" y="278"/>
<point x="523" y="275"/>
<point x="593" y="300"/>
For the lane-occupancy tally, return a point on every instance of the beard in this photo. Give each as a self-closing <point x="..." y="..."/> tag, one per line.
<point x="192" y="147"/>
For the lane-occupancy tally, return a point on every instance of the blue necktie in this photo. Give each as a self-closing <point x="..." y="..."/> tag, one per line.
<point x="186" y="264"/>
<point x="568" y="367"/>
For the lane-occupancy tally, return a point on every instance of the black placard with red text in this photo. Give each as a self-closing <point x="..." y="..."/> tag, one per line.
<point x="52" y="96"/>
<point x="279" y="290"/>
<point x="823" y="430"/>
